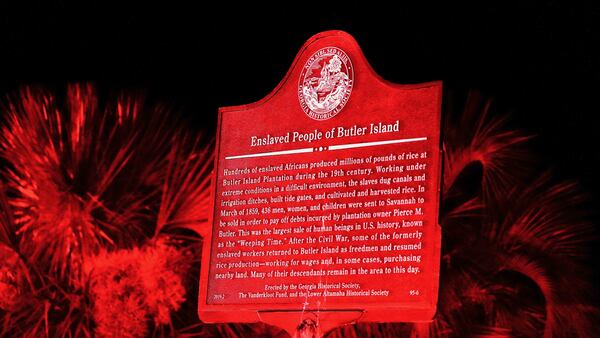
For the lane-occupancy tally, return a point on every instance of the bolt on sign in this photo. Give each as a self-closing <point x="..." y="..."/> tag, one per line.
<point x="326" y="198"/>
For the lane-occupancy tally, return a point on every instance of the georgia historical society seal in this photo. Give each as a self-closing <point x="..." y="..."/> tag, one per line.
<point x="325" y="83"/>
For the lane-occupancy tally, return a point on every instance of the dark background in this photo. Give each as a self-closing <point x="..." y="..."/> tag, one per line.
<point x="539" y="62"/>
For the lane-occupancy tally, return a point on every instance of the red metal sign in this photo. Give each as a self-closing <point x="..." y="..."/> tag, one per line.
<point x="326" y="196"/>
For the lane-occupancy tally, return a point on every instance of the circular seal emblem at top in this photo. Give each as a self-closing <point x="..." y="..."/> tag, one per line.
<point x="325" y="83"/>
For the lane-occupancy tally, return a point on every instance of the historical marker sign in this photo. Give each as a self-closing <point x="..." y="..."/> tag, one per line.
<point x="326" y="195"/>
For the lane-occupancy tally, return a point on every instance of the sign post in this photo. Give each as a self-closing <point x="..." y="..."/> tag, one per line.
<point x="326" y="198"/>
